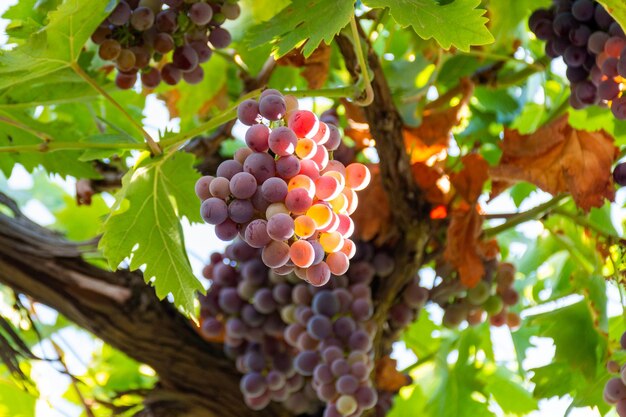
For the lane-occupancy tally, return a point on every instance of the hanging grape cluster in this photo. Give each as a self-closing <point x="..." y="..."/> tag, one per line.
<point x="592" y="45"/>
<point x="615" y="388"/>
<point x="300" y="345"/>
<point x="283" y="195"/>
<point x="138" y="34"/>
<point x="491" y="297"/>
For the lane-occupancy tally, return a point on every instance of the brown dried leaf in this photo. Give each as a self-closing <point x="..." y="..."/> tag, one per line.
<point x="462" y="249"/>
<point x="427" y="178"/>
<point x="558" y="158"/>
<point x="470" y="180"/>
<point x="388" y="378"/>
<point x="433" y="134"/>
<point x="372" y="217"/>
<point x="315" y="66"/>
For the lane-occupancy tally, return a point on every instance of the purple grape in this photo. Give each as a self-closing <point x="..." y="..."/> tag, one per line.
<point x="306" y="362"/>
<point x="319" y="327"/>
<point x="253" y="384"/>
<point x="619" y="176"/>
<point x="220" y="38"/>
<point x="142" y="18"/>
<point x="272" y="107"/>
<point x="288" y="166"/>
<point x="185" y="58"/>
<point x="282" y="140"/>
<point x="202" y="50"/>
<point x="347" y="384"/>
<point x="325" y="302"/>
<point x="261" y="165"/>
<point x="583" y="10"/>
<point x="166" y="21"/>
<point x="256" y="234"/>
<point x="200" y="13"/>
<point x="274" y="190"/>
<point x="214" y="211"/>
<point x="243" y="185"/>
<point x="228" y="169"/>
<point x="120" y="15"/>
<point x="240" y="211"/>
<point x="596" y="42"/>
<point x="248" y="112"/>
<point x="257" y="138"/>
<point x="195" y="76"/>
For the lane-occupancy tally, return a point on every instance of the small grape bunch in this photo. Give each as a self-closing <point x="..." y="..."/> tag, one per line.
<point x="283" y="194"/>
<point x="492" y="297"/>
<point x="593" y="46"/>
<point x="615" y="388"/>
<point x="138" y="34"/>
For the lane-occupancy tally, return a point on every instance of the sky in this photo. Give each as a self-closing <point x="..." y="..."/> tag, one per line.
<point x="201" y="241"/>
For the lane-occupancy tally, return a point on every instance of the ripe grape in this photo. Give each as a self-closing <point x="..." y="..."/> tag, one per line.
<point x="142" y="18"/>
<point x="109" y="49"/>
<point x="125" y="80"/>
<point x="170" y="74"/>
<point x="120" y="14"/>
<point x="200" y="13"/>
<point x="220" y="38"/>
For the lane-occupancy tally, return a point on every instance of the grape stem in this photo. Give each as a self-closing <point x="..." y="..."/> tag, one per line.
<point x="152" y="144"/>
<point x="57" y="146"/>
<point x="532" y="214"/>
<point x="365" y="75"/>
<point x="44" y="137"/>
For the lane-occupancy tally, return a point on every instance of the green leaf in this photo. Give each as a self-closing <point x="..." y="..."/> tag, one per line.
<point x="459" y="24"/>
<point x="107" y="138"/>
<point x="56" y="46"/>
<point x="145" y="225"/>
<point x="507" y="390"/>
<point x="576" y="342"/>
<point x="28" y="132"/>
<point x="81" y="223"/>
<point x="310" y="21"/>
<point x="520" y="191"/>
<point x="15" y="402"/>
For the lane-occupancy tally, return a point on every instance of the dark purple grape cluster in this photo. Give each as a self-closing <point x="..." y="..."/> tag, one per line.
<point x="615" y="388"/>
<point x="282" y="193"/>
<point x="491" y="297"/>
<point x="592" y="45"/>
<point x="138" y="34"/>
<point x="298" y="344"/>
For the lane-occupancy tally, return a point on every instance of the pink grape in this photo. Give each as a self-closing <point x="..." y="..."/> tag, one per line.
<point x="304" y="123"/>
<point x="283" y="141"/>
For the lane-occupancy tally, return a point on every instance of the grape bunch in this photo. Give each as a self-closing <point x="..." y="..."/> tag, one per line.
<point x="244" y="308"/>
<point x="592" y="45"/>
<point x="297" y="344"/>
<point x="138" y="34"/>
<point x="615" y="388"/>
<point x="492" y="296"/>
<point x="283" y="194"/>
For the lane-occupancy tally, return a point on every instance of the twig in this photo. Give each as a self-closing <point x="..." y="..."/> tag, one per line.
<point x="43" y="136"/>
<point x="154" y="146"/>
<point x="532" y="214"/>
<point x="365" y="75"/>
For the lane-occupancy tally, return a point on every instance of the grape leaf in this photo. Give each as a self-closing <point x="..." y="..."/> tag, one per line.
<point x="310" y="21"/>
<point x="508" y="391"/>
<point x="145" y="225"/>
<point x="558" y="158"/>
<point x="459" y="24"/>
<point x="55" y="47"/>
<point x="19" y="128"/>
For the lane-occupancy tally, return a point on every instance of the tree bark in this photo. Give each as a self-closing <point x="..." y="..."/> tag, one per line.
<point x="195" y="377"/>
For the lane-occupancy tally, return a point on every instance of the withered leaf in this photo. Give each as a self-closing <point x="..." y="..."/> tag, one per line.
<point x="559" y="159"/>
<point x="388" y="378"/>
<point x="470" y="180"/>
<point x="462" y="249"/>
<point x="315" y="66"/>
<point x="373" y="218"/>
<point x="433" y="135"/>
